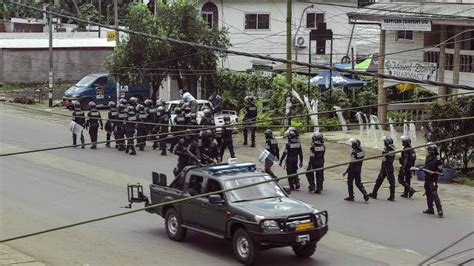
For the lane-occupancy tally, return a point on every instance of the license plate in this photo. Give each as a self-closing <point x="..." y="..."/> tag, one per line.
<point x="304" y="227"/>
<point x="303" y="238"/>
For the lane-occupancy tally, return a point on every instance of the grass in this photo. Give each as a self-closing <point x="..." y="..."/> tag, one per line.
<point x="465" y="179"/>
<point x="9" y="87"/>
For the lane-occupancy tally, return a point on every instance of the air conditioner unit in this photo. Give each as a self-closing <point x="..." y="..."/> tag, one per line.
<point x="301" y="41"/>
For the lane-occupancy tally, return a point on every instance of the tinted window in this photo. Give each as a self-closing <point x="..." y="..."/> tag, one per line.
<point x="257" y="21"/>
<point x="260" y="191"/>
<point x="86" y="81"/>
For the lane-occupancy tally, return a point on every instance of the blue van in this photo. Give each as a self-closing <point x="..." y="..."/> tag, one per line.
<point x="102" y="88"/>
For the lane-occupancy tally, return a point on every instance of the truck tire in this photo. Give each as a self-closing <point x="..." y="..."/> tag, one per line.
<point x="85" y="103"/>
<point x="305" y="251"/>
<point x="173" y="226"/>
<point x="244" y="248"/>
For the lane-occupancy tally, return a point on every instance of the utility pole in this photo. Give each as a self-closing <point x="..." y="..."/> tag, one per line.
<point x="382" y="95"/>
<point x="442" y="61"/>
<point x="50" y="79"/>
<point x="116" y="24"/>
<point x="289" y="73"/>
<point x="100" y="14"/>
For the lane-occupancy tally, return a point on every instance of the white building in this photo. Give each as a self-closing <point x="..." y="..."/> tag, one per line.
<point x="260" y="27"/>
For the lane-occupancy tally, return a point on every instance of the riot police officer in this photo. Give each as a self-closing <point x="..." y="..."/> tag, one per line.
<point x="316" y="160"/>
<point x="133" y="101"/>
<point x="112" y="116"/>
<point x="179" y="124"/>
<point x="292" y="152"/>
<point x="227" y="140"/>
<point x="271" y="145"/>
<point x="433" y="167"/>
<point x="142" y="117"/>
<point x="207" y="119"/>
<point x="354" y="170"/>
<point x="130" y="126"/>
<point x="386" y="169"/>
<point x="407" y="161"/>
<point x="187" y="113"/>
<point x="193" y="121"/>
<point x="120" y="126"/>
<point x="182" y="150"/>
<point x="151" y="129"/>
<point x="79" y="118"/>
<point x="250" y="119"/>
<point x="209" y="151"/>
<point x="163" y="120"/>
<point x="93" y="121"/>
<point x="217" y="102"/>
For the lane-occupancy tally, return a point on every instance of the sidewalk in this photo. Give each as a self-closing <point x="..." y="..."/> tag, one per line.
<point x="10" y="256"/>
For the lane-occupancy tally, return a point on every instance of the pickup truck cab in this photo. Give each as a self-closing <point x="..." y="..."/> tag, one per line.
<point x="257" y="217"/>
<point x="101" y="88"/>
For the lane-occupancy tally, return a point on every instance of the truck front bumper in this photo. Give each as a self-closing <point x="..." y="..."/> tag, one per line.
<point x="289" y="238"/>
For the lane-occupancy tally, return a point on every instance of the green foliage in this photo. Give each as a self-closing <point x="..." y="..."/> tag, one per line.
<point x="422" y="93"/>
<point x="329" y="124"/>
<point x="263" y="117"/>
<point x="7" y="11"/>
<point x="334" y="97"/>
<point x="458" y="152"/>
<point x="86" y="12"/>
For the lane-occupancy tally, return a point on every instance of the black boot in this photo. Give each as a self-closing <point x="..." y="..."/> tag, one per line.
<point x="349" y="198"/>
<point x="412" y="191"/>
<point x="366" y="197"/>
<point x="429" y="211"/>
<point x="373" y="195"/>
<point x="391" y="198"/>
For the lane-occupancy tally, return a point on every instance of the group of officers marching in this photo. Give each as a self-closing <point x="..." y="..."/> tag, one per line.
<point x="195" y="146"/>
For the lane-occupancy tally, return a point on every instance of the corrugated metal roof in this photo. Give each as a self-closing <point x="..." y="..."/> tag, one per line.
<point x="57" y="43"/>
<point x="429" y="10"/>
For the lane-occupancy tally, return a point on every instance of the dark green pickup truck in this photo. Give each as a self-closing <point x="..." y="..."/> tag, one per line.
<point x="254" y="218"/>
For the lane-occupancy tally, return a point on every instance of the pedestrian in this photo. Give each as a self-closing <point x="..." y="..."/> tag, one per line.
<point x="386" y="169"/>
<point x="250" y="119"/>
<point x="79" y="118"/>
<point x="271" y="145"/>
<point x="433" y="168"/>
<point x="407" y="161"/>
<point x="209" y="151"/>
<point x="316" y="160"/>
<point x="130" y="126"/>
<point x="112" y="117"/>
<point x="178" y="125"/>
<point x="142" y="118"/>
<point x="292" y="152"/>
<point x="93" y="121"/>
<point x="217" y="102"/>
<point x="163" y="120"/>
<point x="120" y="126"/>
<point x="354" y="170"/>
<point x="227" y="139"/>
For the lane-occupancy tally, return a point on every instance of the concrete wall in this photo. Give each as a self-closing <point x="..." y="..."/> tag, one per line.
<point x="272" y="42"/>
<point x="32" y="65"/>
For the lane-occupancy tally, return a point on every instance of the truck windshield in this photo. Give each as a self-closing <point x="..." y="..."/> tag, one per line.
<point x="261" y="191"/>
<point x="86" y="81"/>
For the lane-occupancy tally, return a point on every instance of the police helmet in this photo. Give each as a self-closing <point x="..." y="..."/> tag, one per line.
<point x="388" y="141"/>
<point x="76" y="105"/>
<point x="317" y="137"/>
<point x="133" y="100"/>
<point x="187" y="109"/>
<point x="159" y="103"/>
<point x="177" y="110"/>
<point x="160" y="110"/>
<point x="148" y="102"/>
<point x="123" y="101"/>
<point x="432" y="148"/>
<point x="268" y="133"/>
<point x="112" y="104"/>
<point x="355" y="143"/>
<point x="120" y="106"/>
<point x="406" y="141"/>
<point x="130" y="109"/>
<point x="207" y="112"/>
<point x="140" y="108"/>
<point x="207" y="134"/>
<point x="226" y="118"/>
<point x="292" y="134"/>
<point x="92" y="105"/>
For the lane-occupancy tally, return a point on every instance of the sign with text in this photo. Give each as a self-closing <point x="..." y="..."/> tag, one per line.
<point x="413" y="24"/>
<point x="416" y="70"/>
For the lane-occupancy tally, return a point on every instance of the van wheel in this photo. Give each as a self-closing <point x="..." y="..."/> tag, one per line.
<point x="304" y="251"/>
<point x="85" y="103"/>
<point x="244" y="248"/>
<point x="173" y="226"/>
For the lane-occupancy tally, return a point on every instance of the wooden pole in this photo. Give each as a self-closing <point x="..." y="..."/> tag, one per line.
<point x="442" y="61"/>
<point x="382" y="96"/>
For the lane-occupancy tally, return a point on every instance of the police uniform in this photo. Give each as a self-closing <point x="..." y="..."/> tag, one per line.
<point x="179" y="124"/>
<point x="386" y="171"/>
<point x="163" y="119"/>
<point x="250" y="119"/>
<point x="407" y="161"/>
<point x="78" y="117"/>
<point x="183" y="155"/>
<point x="316" y="160"/>
<point x="112" y="116"/>
<point x="292" y="152"/>
<point x="271" y="145"/>
<point x="434" y="164"/>
<point x="120" y="128"/>
<point x="141" y="129"/>
<point x="93" y="121"/>
<point x="150" y="110"/>
<point x="130" y="126"/>
<point x="354" y="174"/>
<point x="227" y="141"/>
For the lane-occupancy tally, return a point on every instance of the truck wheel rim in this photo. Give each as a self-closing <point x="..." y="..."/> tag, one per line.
<point x="243" y="246"/>
<point x="173" y="225"/>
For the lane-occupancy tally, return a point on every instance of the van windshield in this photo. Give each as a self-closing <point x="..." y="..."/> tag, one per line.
<point x="86" y="81"/>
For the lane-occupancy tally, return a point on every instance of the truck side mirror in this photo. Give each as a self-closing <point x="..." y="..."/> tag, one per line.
<point x="216" y="199"/>
<point x="287" y="189"/>
<point x="159" y="179"/>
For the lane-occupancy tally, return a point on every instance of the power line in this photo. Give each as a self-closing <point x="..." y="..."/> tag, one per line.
<point x="221" y="191"/>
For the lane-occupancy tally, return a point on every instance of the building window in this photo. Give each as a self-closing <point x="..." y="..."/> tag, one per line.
<point x="313" y="19"/>
<point x="209" y="18"/>
<point x="210" y="14"/>
<point x="320" y="47"/>
<point x="404" y="35"/>
<point x="257" y="21"/>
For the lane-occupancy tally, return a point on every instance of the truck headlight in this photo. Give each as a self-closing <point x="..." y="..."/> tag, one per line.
<point x="318" y="220"/>
<point x="270" y="226"/>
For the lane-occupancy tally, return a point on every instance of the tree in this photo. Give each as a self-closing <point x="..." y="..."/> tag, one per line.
<point x="149" y="60"/>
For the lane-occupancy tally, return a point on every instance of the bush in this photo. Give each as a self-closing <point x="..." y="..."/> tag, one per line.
<point x="420" y="92"/>
<point x="456" y="153"/>
<point x="329" y="124"/>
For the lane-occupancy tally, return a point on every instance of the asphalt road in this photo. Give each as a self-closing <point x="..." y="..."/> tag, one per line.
<point x="43" y="190"/>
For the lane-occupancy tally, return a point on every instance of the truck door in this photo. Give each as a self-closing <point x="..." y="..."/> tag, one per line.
<point x="213" y="216"/>
<point x="111" y="90"/>
<point x="99" y="86"/>
<point x="190" y="209"/>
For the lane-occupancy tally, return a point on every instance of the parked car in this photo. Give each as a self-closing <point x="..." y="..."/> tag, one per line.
<point x="102" y="88"/>
<point x="254" y="218"/>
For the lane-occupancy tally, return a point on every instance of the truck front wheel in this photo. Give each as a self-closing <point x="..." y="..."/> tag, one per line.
<point x="304" y="251"/>
<point x="244" y="248"/>
<point x="173" y="226"/>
